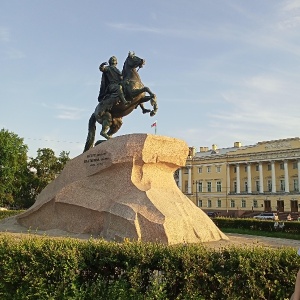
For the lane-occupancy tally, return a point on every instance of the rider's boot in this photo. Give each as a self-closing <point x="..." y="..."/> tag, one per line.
<point x="124" y="100"/>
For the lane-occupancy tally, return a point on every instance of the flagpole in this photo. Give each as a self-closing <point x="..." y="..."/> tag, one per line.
<point x="154" y="125"/>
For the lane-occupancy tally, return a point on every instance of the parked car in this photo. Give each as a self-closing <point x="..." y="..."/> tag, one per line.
<point x="267" y="216"/>
<point x="212" y="214"/>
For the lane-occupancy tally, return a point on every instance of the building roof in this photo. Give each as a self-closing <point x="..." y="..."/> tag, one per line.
<point x="221" y="151"/>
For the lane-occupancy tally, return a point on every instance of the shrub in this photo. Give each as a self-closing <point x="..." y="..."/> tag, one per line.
<point x="63" y="268"/>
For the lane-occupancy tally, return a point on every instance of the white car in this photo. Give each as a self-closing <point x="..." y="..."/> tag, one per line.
<point x="267" y="216"/>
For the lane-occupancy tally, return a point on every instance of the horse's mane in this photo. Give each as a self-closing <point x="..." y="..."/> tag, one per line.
<point x="127" y="70"/>
<point x="123" y="70"/>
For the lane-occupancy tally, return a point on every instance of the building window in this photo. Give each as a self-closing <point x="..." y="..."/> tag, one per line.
<point x="255" y="204"/>
<point x="200" y="187"/>
<point x="243" y="204"/>
<point x="234" y="186"/>
<point x="234" y="169"/>
<point x="186" y="171"/>
<point x="257" y="185"/>
<point x="269" y="167"/>
<point x="256" y="167"/>
<point x="199" y="203"/>
<point x="218" y="169"/>
<point x="281" y="166"/>
<point x="209" y="186"/>
<point x="208" y="169"/>
<point x="219" y="203"/>
<point x="269" y="185"/>
<point x="199" y="170"/>
<point x="295" y="184"/>
<point x="245" y="168"/>
<point x="282" y="185"/>
<point x="246" y="186"/>
<point x="219" y="186"/>
<point x="232" y="203"/>
<point x="295" y="165"/>
<point x="208" y="203"/>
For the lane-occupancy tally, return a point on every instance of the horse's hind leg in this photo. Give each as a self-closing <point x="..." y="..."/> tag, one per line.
<point x="115" y="126"/>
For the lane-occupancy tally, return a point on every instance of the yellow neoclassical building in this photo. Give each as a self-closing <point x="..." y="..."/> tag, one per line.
<point x="260" y="177"/>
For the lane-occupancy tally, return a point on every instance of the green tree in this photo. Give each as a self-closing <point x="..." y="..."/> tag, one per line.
<point x="13" y="166"/>
<point x="46" y="167"/>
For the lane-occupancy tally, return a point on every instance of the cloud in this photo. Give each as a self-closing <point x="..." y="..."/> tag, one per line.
<point x="291" y="5"/>
<point x="134" y="27"/>
<point x="14" y="54"/>
<point x="264" y="83"/>
<point x="178" y="32"/>
<point x="65" y="112"/>
<point x="69" y="113"/>
<point x="258" y="108"/>
<point x="4" y="35"/>
<point x="10" y="53"/>
<point x="289" y="13"/>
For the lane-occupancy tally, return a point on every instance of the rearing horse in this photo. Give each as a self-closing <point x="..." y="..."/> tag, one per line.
<point x="110" y="111"/>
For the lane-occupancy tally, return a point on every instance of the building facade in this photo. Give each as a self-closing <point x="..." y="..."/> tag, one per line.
<point x="261" y="177"/>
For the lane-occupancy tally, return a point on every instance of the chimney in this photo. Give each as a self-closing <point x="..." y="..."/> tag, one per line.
<point x="203" y="149"/>
<point x="214" y="147"/>
<point x="192" y="151"/>
<point x="237" y="144"/>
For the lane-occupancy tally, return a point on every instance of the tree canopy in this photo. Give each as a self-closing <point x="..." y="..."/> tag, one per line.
<point x="46" y="167"/>
<point x="13" y="164"/>
<point x="23" y="178"/>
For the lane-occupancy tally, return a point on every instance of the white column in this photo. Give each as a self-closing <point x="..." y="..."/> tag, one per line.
<point x="189" y="179"/>
<point x="249" y="183"/>
<point x="261" y="178"/>
<point x="286" y="177"/>
<point x="180" y="179"/>
<point x="228" y="178"/>
<point x="273" y="176"/>
<point x="238" y="182"/>
<point x="298" y="174"/>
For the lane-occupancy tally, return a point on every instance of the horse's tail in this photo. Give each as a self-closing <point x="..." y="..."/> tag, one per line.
<point x="91" y="134"/>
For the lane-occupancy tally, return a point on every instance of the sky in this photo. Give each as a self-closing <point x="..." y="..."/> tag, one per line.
<point x="223" y="71"/>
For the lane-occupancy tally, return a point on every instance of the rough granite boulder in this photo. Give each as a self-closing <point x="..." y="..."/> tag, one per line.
<point x="123" y="188"/>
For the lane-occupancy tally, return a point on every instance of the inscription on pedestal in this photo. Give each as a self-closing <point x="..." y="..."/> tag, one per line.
<point x="96" y="159"/>
<point x="95" y="162"/>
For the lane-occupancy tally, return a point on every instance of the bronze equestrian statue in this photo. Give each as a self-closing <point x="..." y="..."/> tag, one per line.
<point x="120" y="93"/>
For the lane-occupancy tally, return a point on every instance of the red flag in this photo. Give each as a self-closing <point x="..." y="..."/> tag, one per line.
<point x="154" y="124"/>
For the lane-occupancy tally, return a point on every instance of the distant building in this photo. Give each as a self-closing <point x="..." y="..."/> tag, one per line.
<point x="261" y="177"/>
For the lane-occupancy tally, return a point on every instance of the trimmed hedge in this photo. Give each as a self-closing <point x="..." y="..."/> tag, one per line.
<point x="257" y="225"/>
<point x="56" y="268"/>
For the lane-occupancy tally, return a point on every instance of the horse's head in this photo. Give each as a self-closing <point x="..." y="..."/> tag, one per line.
<point x="133" y="61"/>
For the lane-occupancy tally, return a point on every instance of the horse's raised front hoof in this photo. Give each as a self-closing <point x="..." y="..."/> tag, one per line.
<point x="152" y="113"/>
<point x="146" y="111"/>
